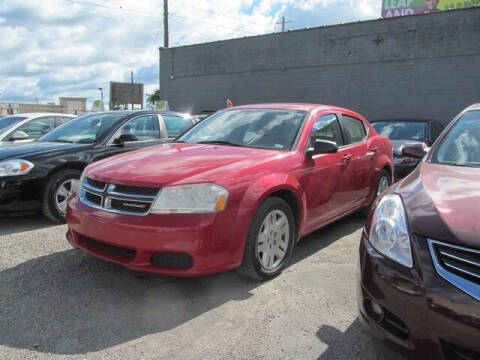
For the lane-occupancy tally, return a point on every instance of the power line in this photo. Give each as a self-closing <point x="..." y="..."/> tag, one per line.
<point x="222" y="15"/>
<point x="120" y="8"/>
<point x="211" y="24"/>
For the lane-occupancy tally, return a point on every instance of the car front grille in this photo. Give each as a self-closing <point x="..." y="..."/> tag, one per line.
<point x="122" y="199"/>
<point x="458" y="265"/>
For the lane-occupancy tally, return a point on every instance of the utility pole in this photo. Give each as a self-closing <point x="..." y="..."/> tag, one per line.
<point x="165" y="24"/>
<point x="283" y="22"/>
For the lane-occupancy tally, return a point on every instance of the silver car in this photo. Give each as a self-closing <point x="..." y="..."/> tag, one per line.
<point x="28" y="127"/>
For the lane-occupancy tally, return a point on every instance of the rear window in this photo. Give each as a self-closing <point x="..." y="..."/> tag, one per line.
<point x="402" y="130"/>
<point x="8" y="121"/>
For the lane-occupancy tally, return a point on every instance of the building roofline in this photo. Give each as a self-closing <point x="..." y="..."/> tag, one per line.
<point x="395" y="18"/>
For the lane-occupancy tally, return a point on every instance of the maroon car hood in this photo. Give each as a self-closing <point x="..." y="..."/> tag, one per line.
<point x="441" y="202"/>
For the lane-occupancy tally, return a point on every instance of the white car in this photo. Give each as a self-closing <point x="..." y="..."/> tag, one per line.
<point x="29" y="127"/>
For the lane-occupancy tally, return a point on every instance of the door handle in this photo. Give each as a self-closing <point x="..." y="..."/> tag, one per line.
<point x="347" y="157"/>
<point x="372" y="151"/>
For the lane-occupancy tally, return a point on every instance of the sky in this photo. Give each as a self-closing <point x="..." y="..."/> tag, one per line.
<point x="52" y="48"/>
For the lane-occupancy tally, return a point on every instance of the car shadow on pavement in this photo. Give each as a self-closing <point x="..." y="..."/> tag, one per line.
<point x="18" y="223"/>
<point x="71" y="303"/>
<point x="353" y="343"/>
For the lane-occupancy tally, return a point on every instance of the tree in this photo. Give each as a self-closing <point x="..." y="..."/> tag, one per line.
<point x="152" y="98"/>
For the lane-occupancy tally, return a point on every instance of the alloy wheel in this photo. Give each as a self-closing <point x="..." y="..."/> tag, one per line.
<point x="63" y="193"/>
<point x="383" y="184"/>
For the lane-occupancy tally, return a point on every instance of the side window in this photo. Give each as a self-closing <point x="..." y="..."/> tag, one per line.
<point x="326" y="127"/>
<point x="38" y="127"/>
<point x="143" y="127"/>
<point x="354" y="128"/>
<point x="62" y="120"/>
<point x="436" y="129"/>
<point x="176" y="125"/>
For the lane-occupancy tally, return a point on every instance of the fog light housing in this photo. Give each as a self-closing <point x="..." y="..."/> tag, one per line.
<point x="374" y="310"/>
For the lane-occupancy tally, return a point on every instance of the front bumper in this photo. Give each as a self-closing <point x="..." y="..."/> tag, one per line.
<point x="19" y="195"/>
<point x="173" y="244"/>
<point x="424" y="316"/>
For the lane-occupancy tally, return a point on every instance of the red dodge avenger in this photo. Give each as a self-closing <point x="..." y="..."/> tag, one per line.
<point x="236" y="191"/>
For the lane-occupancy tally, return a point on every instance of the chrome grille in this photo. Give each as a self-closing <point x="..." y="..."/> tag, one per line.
<point x="122" y="199"/>
<point x="459" y="265"/>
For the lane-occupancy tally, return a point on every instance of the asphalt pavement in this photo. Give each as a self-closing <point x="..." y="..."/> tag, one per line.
<point x="59" y="303"/>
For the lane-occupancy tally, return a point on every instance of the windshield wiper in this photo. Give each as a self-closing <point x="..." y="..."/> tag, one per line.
<point x="218" y="142"/>
<point x="63" y="141"/>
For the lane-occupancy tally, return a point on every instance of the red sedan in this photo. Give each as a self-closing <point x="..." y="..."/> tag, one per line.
<point x="236" y="191"/>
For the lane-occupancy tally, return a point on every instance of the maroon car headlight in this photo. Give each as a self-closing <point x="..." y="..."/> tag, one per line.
<point x="389" y="230"/>
<point x="188" y="199"/>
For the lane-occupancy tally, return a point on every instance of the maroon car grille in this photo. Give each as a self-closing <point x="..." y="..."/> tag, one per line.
<point x="461" y="261"/>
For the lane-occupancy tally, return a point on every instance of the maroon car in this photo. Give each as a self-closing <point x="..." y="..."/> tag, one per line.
<point x="419" y="286"/>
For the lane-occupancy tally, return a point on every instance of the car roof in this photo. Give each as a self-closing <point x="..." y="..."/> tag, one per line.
<point x="137" y="112"/>
<point x="31" y="115"/>
<point x="473" y="107"/>
<point x="289" y="106"/>
<point x="403" y="120"/>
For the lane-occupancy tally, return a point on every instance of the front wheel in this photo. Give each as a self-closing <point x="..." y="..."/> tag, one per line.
<point x="270" y="240"/>
<point x="60" y="186"/>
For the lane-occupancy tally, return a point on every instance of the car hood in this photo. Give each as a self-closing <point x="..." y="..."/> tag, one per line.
<point x="441" y="202"/>
<point x="25" y="150"/>
<point x="179" y="163"/>
<point x="398" y="144"/>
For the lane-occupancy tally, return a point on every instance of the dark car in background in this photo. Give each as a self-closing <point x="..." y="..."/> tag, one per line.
<point x="44" y="173"/>
<point x="403" y="131"/>
<point x="419" y="285"/>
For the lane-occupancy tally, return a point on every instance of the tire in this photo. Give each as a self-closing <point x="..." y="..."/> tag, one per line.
<point x="384" y="176"/>
<point x="255" y="262"/>
<point x="52" y="189"/>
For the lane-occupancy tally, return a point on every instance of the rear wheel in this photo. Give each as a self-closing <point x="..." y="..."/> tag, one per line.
<point x="60" y="186"/>
<point x="384" y="181"/>
<point x="270" y="240"/>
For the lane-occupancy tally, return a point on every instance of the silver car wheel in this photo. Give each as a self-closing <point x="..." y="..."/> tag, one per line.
<point x="273" y="240"/>
<point x="383" y="184"/>
<point x="63" y="193"/>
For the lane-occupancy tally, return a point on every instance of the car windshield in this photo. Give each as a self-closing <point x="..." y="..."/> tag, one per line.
<point x="402" y="130"/>
<point x="86" y="129"/>
<point x="269" y="129"/>
<point x="8" y="121"/>
<point x="461" y="145"/>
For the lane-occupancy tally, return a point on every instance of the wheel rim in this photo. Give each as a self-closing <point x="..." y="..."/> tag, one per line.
<point x="382" y="185"/>
<point x="63" y="193"/>
<point x="273" y="240"/>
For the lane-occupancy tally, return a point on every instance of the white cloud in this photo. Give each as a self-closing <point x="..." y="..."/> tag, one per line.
<point x="54" y="48"/>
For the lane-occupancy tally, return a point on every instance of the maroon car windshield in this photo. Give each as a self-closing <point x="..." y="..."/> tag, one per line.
<point x="461" y="145"/>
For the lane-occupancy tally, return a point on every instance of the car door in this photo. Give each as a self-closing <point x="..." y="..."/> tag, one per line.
<point x="326" y="174"/>
<point x="176" y="125"/>
<point x="360" y="156"/>
<point x="35" y="128"/>
<point x="146" y="129"/>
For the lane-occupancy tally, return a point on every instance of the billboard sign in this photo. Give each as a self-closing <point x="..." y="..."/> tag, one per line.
<point x="161" y="105"/>
<point x="392" y="8"/>
<point x="125" y="93"/>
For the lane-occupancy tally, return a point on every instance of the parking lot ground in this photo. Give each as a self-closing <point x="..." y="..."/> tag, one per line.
<point x="56" y="302"/>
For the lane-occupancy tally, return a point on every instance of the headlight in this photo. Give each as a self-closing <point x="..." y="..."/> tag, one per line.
<point x="389" y="230"/>
<point x="196" y="198"/>
<point x="15" y="167"/>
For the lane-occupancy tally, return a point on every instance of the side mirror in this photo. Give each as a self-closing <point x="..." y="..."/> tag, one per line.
<point x="124" y="138"/>
<point x="19" y="135"/>
<point x="415" y="150"/>
<point x="322" y="147"/>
